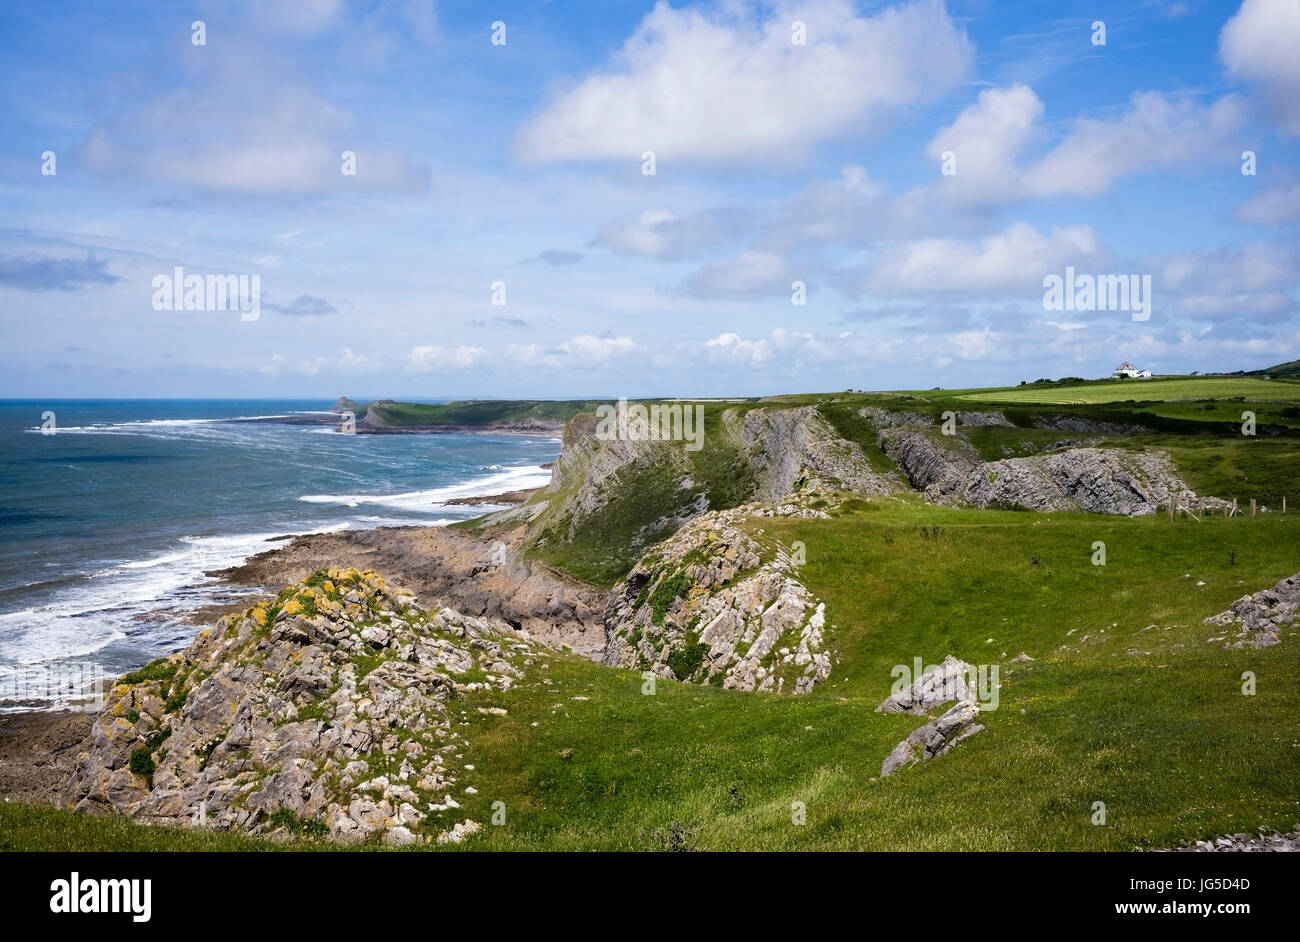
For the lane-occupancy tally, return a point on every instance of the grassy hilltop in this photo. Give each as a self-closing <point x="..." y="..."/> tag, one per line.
<point x="1126" y="700"/>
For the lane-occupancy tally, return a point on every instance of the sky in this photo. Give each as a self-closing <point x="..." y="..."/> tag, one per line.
<point x="844" y="195"/>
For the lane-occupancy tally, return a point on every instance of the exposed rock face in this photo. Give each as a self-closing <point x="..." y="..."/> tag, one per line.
<point x="588" y="467"/>
<point x="933" y="463"/>
<point x="324" y="713"/>
<point x="889" y="418"/>
<point x="934" y="738"/>
<point x="946" y="683"/>
<point x="703" y="607"/>
<point x="1097" y="480"/>
<point x="1262" y="615"/>
<point x="789" y="446"/>
<point x="471" y="575"/>
<point x="984" y="419"/>
<point x="1070" y="423"/>
<point x="950" y="682"/>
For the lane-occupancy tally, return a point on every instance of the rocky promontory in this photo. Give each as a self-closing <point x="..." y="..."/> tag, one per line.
<point x="326" y="712"/>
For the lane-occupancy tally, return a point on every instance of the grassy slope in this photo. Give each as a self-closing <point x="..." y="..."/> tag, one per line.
<point x="1151" y="722"/>
<point x="1152" y="390"/>
<point x="646" y="498"/>
<point x="481" y="412"/>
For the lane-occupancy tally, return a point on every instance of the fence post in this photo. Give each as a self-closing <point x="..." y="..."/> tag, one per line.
<point x="1252" y="508"/>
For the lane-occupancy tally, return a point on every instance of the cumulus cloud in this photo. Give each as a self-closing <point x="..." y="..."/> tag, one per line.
<point x="1259" y="45"/>
<point x="1254" y="283"/>
<point x="786" y="346"/>
<point x="991" y="139"/>
<point x="844" y="210"/>
<point x="1012" y="262"/>
<point x="430" y="357"/>
<point x="987" y="138"/>
<point x="728" y="83"/>
<point x="584" y="351"/>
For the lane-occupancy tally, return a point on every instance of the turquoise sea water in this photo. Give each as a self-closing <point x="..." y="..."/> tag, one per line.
<point x="110" y="523"/>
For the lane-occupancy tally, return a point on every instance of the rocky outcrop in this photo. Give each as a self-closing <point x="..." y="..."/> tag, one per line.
<point x="327" y="712"/>
<point x="705" y="607"/>
<point x="948" y="469"/>
<point x="934" y="463"/>
<point x="788" y="448"/>
<point x="953" y="681"/>
<point x="891" y="418"/>
<point x="1261" y="616"/>
<point x="488" y="578"/>
<point x="934" y="738"/>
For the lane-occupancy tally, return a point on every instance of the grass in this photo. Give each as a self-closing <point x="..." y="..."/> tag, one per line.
<point x="1145" y="390"/>
<point x="480" y="412"/>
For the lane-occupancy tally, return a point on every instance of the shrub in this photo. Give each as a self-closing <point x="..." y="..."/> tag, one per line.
<point x="665" y="593"/>
<point x="154" y="670"/>
<point x="142" y="764"/>
<point x="686" y="661"/>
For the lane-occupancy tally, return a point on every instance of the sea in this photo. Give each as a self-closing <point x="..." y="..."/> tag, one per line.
<point x="114" y="512"/>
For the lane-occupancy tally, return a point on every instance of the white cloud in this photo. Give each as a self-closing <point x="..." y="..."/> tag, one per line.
<point x="1156" y="131"/>
<point x="729" y="84"/>
<point x="1254" y="283"/>
<point x="425" y="359"/>
<point x="990" y="139"/>
<point x="1277" y="206"/>
<point x="733" y="347"/>
<point x="242" y="127"/>
<point x="987" y="138"/>
<point x="1012" y="261"/>
<point x="789" y="347"/>
<point x="584" y="351"/>
<point x="1259" y="44"/>
<point x="662" y="234"/>
<point x="749" y="275"/>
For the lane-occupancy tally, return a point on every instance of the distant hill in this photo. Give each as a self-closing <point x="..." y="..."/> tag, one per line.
<point x="1290" y="369"/>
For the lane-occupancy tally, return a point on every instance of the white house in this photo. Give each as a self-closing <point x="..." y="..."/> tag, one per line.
<point x="1127" y="370"/>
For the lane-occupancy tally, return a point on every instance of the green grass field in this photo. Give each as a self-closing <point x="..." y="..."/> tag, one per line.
<point x="1145" y="390"/>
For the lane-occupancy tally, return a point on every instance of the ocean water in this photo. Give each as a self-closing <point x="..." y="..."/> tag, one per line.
<point x="108" y="526"/>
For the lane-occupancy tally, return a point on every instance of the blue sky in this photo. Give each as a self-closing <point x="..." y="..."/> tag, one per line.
<point x="522" y="163"/>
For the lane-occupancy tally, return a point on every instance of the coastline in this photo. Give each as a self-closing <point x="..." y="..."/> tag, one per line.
<point x="38" y="745"/>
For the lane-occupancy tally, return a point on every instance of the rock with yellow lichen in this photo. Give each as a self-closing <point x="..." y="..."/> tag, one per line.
<point x="324" y="712"/>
